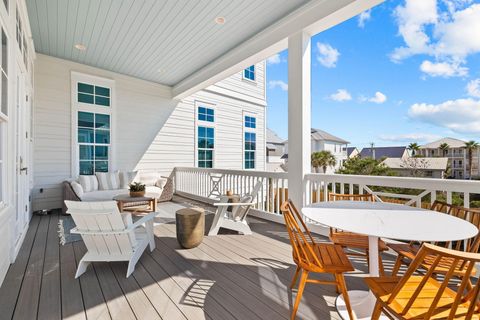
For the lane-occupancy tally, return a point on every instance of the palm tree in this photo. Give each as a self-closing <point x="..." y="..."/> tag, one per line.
<point x="414" y="147"/>
<point x="323" y="159"/>
<point x="471" y="146"/>
<point x="444" y="148"/>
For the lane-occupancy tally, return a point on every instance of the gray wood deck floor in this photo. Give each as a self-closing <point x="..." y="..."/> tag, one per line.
<point x="226" y="277"/>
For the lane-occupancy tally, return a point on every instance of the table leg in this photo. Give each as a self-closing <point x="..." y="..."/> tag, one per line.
<point x="363" y="302"/>
<point x="153" y="205"/>
<point x="120" y="206"/>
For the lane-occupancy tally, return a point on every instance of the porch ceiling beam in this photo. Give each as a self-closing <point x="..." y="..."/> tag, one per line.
<point x="313" y="17"/>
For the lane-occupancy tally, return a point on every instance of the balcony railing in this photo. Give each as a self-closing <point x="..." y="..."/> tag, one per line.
<point x="208" y="184"/>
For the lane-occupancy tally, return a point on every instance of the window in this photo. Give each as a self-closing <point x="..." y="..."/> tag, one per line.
<point x="250" y="147"/>
<point x="19" y="30"/>
<point x="4" y="75"/>
<point x="206" y="114"/>
<point x="250" y="122"/>
<point x="206" y="146"/>
<point x="5" y="2"/>
<point x="249" y="73"/>
<point x="88" y="93"/>
<point x="93" y="142"/>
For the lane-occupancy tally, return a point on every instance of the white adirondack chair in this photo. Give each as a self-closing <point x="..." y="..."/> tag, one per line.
<point x="236" y="219"/>
<point x="110" y="235"/>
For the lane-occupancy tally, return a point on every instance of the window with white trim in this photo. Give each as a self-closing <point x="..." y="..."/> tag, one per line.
<point x="249" y="73"/>
<point x="93" y="142"/>
<point x="249" y="142"/>
<point x="92" y="99"/>
<point x="205" y="135"/>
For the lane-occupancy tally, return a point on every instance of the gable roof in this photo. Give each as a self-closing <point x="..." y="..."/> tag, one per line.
<point x="350" y="150"/>
<point x="272" y="137"/>
<point x="320" y="135"/>
<point x="424" y="163"/>
<point x="384" y="152"/>
<point x="452" y="142"/>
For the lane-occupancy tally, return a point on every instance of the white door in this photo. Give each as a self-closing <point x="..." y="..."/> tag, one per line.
<point x="22" y="160"/>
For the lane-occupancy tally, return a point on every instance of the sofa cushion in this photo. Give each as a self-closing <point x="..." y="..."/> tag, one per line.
<point x="161" y="182"/>
<point x="108" y="180"/>
<point x="148" y="178"/>
<point x="102" y="195"/>
<point x="77" y="188"/>
<point x="127" y="177"/>
<point x="88" y="183"/>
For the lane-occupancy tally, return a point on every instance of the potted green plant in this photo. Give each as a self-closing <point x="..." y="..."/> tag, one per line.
<point x="137" y="189"/>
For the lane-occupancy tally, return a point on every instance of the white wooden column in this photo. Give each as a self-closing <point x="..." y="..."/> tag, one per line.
<point x="299" y="114"/>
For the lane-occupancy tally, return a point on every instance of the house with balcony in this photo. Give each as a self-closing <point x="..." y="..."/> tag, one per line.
<point x="456" y="154"/>
<point x="96" y="95"/>
<point x="324" y="141"/>
<point x="275" y="151"/>
<point x="418" y="167"/>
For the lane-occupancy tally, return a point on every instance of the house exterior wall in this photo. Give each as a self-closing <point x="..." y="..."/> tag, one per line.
<point x="337" y="149"/>
<point x="458" y="161"/>
<point x="436" y="174"/>
<point x="151" y="131"/>
<point x="15" y="124"/>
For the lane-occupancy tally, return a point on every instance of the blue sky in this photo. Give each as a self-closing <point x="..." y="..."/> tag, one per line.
<point x="407" y="71"/>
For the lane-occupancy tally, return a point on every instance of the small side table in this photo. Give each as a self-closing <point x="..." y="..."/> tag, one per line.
<point x="124" y="199"/>
<point x="190" y="223"/>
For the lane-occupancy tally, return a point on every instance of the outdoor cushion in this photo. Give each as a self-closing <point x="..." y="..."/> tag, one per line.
<point x="77" y="188"/>
<point x="105" y="195"/>
<point x="108" y="180"/>
<point x="148" y="178"/>
<point x="161" y="182"/>
<point x="88" y="183"/>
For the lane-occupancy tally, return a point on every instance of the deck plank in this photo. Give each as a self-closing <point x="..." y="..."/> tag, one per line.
<point x="116" y="302"/>
<point x="13" y="280"/>
<point x="95" y="306"/>
<point x="72" y="299"/>
<point x="137" y="299"/>
<point x="31" y="285"/>
<point x="160" y="300"/>
<point x="50" y="304"/>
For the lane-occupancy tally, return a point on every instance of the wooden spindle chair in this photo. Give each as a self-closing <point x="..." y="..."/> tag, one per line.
<point x="310" y="256"/>
<point x="407" y="252"/>
<point x="426" y="296"/>
<point x="354" y="240"/>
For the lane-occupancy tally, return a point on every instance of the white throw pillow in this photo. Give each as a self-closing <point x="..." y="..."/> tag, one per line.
<point x="108" y="180"/>
<point x="89" y="183"/>
<point x="161" y="182"/>
<point x="77" y="188"/>
<point x="148" y="178"/>
<point x="127" y="177"/>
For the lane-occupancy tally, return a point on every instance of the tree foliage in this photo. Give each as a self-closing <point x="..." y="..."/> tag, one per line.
<point x="323" y="159"/>
<point x="365" y="166"/>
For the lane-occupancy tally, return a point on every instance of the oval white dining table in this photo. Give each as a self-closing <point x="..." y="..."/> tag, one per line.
<point x="384" y="220"/>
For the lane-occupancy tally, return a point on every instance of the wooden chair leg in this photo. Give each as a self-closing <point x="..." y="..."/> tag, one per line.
<point x="301" y="286"/>
<point x="344" y="292"/>
<point x="295" y="277"/>
<point x="377" y="311"/>
<point x="380" y="264"/>
<point x="397" y="265"/>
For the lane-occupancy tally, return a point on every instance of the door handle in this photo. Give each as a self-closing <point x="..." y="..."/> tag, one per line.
<point x="24" y="169"/>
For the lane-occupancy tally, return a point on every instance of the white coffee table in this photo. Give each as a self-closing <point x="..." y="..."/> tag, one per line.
<point x="385" y="220"/>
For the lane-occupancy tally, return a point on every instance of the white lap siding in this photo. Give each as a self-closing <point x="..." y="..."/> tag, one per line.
<point x="151" y="131"/>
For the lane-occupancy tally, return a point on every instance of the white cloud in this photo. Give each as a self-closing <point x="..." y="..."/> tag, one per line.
<point x="275" y="59"/>
<point x="443" y="69"/>
<point x="364" y="17"/>
<point x="462" y="115"/>
<point x="473" y="88"/>
<point x="278" y="83"/>
<point x="449" y="35"/>
<point x="341" y="95"/>
<point x="409" y="137"/>
<point x="377" y="98"/>
<point x="327" y="55"/>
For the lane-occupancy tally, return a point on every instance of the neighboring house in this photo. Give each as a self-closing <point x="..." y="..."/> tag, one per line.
<point x="275" y="151"/>
<point x="418" y="167"/>
<point x="322" y="140"/>
<point x="379" y="153"/>
<point x="352" y="152"/>
<point x="456" y="154"/>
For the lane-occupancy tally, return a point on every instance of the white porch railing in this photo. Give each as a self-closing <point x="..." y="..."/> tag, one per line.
<point x="207" y="184"/>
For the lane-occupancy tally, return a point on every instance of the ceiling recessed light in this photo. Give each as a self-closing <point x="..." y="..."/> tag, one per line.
<point x="220" y="20"/>
<point x="80" y="47"/>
